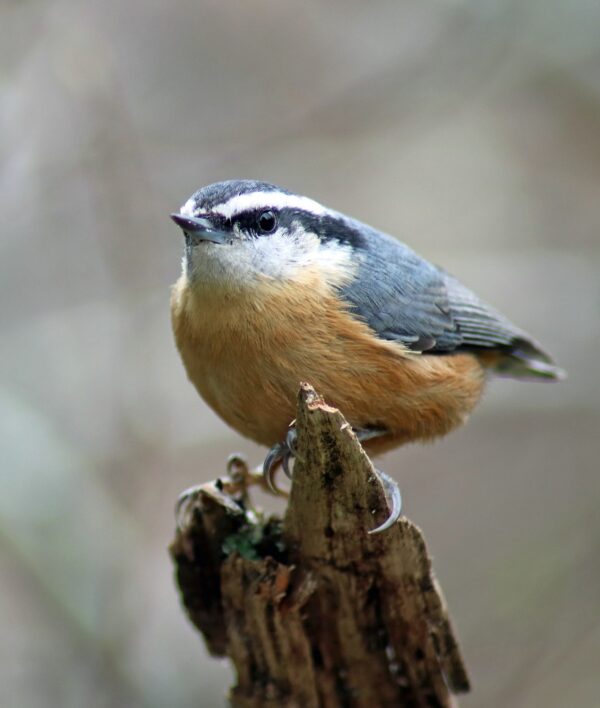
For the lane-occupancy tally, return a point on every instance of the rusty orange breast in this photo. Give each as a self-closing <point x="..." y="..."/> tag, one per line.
<point x="247" y="351"/>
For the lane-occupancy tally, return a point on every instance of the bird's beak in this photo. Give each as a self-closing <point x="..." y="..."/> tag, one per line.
<point x="199" y="229"/>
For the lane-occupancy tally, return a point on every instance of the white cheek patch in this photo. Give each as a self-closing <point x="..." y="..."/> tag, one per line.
<point x="288" y="255"/>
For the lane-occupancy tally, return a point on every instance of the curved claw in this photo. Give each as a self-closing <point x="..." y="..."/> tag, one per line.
<point x="275" y="455"/>
<point x="285" y="463"/>
<point x="281" y="452"/>
<point x="289" y="447"/>
<point x="394" y="498"/>
<point x="291" y="440"/>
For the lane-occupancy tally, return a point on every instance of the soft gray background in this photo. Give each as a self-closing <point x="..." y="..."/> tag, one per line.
<point x="471" y="129"/>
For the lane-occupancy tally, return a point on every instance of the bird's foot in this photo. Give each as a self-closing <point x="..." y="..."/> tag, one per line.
<point x="280" y="453"/>
<point x="231" y="490"/>
<point x="283" y="452"/>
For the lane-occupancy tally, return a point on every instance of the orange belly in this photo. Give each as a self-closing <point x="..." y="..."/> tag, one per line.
<point x="247" y="352"/>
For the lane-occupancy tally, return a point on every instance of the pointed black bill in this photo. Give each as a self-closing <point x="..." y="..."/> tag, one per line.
<point x="199" y="229"/>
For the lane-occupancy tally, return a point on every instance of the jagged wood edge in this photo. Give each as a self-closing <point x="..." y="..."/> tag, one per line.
<point x="346" y="614"/>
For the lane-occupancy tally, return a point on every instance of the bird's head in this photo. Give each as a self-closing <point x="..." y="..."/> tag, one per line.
<point x="240" y="232"/>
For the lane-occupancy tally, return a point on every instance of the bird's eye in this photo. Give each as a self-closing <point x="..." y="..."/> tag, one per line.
<point x="267" y="221"/>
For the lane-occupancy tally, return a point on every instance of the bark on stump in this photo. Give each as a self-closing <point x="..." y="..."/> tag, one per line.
<point x="314" y="611"/>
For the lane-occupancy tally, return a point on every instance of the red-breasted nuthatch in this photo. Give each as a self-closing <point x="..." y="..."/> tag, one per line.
<point x="277" y="289"/>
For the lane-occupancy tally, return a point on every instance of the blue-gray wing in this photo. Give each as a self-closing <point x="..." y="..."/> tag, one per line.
<point x="404" y="298"/>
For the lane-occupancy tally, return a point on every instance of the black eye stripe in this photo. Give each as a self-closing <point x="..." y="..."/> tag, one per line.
<point x="328" y="227"/>
<point x="260" y="221"/>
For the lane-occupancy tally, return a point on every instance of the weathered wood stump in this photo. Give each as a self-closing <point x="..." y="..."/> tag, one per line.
<point x="314" y="611"/>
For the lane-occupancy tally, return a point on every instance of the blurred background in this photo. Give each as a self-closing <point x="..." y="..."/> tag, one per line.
<point x="469" y="129"/>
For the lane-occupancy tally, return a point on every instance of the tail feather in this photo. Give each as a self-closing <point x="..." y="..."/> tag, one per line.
<point x="527" y="360"/>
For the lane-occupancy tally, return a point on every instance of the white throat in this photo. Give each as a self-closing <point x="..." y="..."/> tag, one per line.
<point x="285" y="256"/>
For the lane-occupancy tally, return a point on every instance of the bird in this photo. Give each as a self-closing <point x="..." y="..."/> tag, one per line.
<point x="277" y="289"/>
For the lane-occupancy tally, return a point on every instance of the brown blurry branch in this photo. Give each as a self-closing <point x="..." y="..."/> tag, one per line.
<point x="314" y="611"/>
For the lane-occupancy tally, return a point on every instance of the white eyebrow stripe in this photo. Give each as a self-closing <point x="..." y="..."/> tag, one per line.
<point x="266" y="200"/>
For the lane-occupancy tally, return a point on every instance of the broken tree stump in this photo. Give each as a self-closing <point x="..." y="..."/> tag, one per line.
<point x="314" y="611"/>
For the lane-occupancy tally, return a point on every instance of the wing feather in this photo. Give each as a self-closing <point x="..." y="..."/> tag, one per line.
<point x="404" y="298"/>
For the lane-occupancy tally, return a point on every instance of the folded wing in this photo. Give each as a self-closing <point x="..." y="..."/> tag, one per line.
<point x="404" y="298"/>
